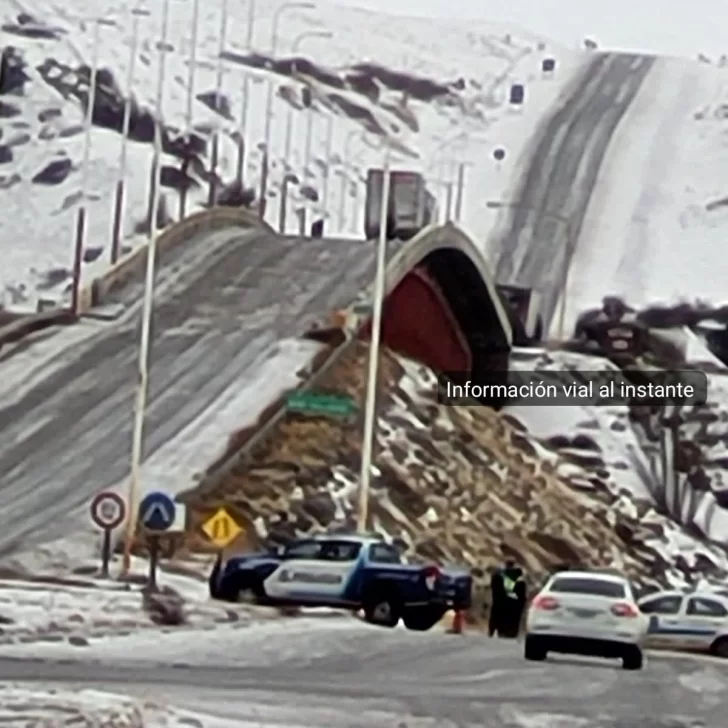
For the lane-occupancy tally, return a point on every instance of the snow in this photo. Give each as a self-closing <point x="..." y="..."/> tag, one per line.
<point x="22" y="705"/>
<point x="52" y="594"/>
<point x="488" y="56"/>
<point x="692" y="28"/>
<point x="174" y="466"/>
<point x="241" y="644"/>
<point x="651" y="234"/>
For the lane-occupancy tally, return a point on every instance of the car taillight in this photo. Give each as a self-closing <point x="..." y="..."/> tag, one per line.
<point x="623" y="609"/>
<point x="546" y="603"/>
<point x="431" y="574"/>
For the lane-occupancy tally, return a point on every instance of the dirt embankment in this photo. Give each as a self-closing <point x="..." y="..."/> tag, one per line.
<point x="454" y="483"/>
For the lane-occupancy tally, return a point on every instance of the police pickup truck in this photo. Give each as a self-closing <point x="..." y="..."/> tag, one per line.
<point x="347" y="572"/>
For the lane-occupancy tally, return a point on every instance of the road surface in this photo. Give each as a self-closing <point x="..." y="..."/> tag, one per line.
<point x="362" y="677"/>
<point x="543" y="230"/>
<point x="65" y="428"/>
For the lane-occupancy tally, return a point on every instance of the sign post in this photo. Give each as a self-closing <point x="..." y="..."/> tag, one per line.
<point x="108" y="511"/>
<point x="157" y="513"/>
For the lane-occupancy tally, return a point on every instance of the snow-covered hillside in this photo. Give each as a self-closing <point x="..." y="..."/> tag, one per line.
<point x="658" y="219"/>
<point x="634" y="27"/>
<point x="465" y="70"/>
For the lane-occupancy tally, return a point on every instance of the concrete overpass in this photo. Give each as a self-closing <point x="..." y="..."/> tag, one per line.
<point x="232" y="294"/>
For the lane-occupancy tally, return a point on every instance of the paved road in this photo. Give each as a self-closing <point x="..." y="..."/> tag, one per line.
<point x="217" y="315"/>
<point x="365" y="678"/>
<point x="537" y="246"/>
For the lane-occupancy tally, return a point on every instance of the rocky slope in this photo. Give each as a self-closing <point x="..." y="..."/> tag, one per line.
<point x="456" y="484"/>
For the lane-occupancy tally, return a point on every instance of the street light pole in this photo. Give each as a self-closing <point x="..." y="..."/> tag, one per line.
<point x="570" y="241"/>
<point x="459" y="194"/>
<point x="190" y="95"/>
<point x="273" y="49"/>
<point x="143" y="384"/>
<point x="212" y="196"/>
<point x="120" y="195"/>
<point x="353" y="134"/>
<point x="289" y="114"/>
<point x="327" y="152"/>
<point x="376" y="333"/>
<point x="246" y="97"/>
<point x="81" y="216"/>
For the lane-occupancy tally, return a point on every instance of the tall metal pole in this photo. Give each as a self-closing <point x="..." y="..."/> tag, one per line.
<point x="354" y="133"/>
<point x="289" y="113"/>
<point x="459" y="193"/>
<point x="273" y="49"/>
<point x="448" y="201"/>
<point x="371" y="394"/>
<point x="212" y="196"/>
<point x="245" y="101"/>
<point x="309" y="139"/>
<point x="120" y="195"/>
<point x="342" y="199"/>
<point x="329" y="144"/>
<point x="80" y="239"/>
<point x="190" y="94"/>
<point x="354" y="204"/>
<point x="143" y="383"/>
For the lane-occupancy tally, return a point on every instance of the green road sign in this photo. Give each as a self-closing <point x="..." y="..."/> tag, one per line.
<point x="311" y="403"/>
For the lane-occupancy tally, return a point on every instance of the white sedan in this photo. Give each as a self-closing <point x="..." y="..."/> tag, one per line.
<point x="693" y="622"/>
<point x="586" y="613"/>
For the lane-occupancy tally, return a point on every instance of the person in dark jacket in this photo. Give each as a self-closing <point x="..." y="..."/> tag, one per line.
<point x="280" y="533"/>
<point x="508" y="600"/>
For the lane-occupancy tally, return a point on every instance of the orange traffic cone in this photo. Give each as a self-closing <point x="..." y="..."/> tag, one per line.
<point x="458" y="622"/>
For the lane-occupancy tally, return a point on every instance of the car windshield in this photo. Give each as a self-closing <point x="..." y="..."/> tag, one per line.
<point x="585" y="585"/>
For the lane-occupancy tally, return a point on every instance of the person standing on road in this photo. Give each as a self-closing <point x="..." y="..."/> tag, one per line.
<point x="508" y="600"/>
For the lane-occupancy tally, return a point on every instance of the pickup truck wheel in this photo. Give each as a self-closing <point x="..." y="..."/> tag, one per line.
<point x="251" y="594"/>
<point x="420" y="619"/>
<point x="719" y="648"/>
<point x="383" y="610"/>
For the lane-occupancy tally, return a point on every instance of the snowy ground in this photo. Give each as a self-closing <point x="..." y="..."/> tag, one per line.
<point x="656" y="226"/>
<point x="64" y="601"/>
<point x="259" y="643"/>
<point x="26" y="706"/>
<point x="486" y="57"/>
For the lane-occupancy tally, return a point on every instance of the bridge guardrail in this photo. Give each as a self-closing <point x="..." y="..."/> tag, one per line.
<point x="129" y="265"/>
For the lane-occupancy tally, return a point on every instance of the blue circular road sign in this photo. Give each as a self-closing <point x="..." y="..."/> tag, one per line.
<point x="157" y="512"/>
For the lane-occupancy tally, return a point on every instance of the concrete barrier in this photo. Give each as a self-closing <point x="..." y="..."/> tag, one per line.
<point x="26" y="325"/>
<point x="129" y="266"/>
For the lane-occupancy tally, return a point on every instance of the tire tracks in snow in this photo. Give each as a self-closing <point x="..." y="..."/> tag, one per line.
<point x="562" y="174"/>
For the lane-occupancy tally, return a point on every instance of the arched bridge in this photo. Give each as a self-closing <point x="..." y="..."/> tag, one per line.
<point x="225" y="299"/>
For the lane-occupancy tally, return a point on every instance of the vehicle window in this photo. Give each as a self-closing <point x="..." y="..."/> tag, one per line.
<point x="585" y="585"/>
<point x="661" y="605"/>
<point x="382" y="553"/>
<point x="340" y="550"/>
<point x="303" y="550"/>
<point x="703" y="607"/>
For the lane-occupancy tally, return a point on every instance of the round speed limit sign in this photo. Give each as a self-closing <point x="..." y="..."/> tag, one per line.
<point x="108" y="510"/>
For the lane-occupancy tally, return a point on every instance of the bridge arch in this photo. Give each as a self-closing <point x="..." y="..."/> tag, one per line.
<point x="442" y="306"/>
